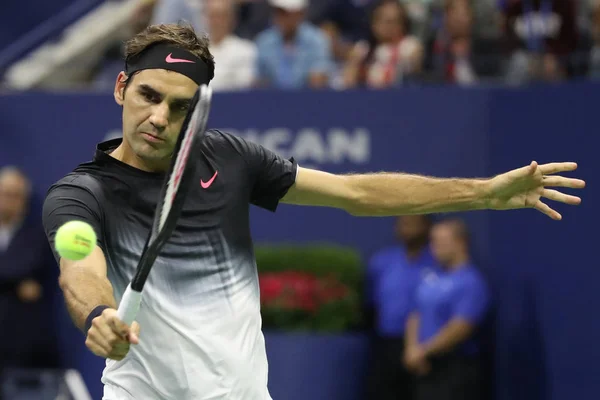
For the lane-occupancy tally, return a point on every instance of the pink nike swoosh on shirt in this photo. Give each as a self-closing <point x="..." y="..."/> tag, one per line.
<point x="172" y="60"/>
<point x="206" y="185"/>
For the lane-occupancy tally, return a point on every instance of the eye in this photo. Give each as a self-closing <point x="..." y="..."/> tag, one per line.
<point x="181" y="108"/>
<point x="150" y="97"/>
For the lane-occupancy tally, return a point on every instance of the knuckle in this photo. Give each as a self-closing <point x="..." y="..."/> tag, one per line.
<point x="92" y="334"/>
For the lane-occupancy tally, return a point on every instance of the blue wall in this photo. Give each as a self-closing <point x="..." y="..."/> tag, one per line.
<point x="543" y="272"/>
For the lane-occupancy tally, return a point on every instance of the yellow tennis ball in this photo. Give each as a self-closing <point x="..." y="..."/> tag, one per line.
<point x="75" y="240"/>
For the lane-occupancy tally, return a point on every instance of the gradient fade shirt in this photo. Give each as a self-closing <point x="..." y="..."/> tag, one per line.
<point x="200" y="315"/>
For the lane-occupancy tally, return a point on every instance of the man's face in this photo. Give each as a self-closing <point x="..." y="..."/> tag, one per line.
<point x="288" y="21"/>
<point x="444" y="243"/>
<point x="412" y="229"/>
<point x="154" y="107"/>
<point x="13" y="197"/>
<point x="219" y="17"/>
<point x="459" y="18"/>
<point x="386" y="23"/>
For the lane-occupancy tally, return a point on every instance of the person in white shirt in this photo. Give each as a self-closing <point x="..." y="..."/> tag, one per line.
<point x="234" y="56"/>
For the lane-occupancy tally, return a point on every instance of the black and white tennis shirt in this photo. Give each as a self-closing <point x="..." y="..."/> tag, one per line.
<point x="200" y="315"/>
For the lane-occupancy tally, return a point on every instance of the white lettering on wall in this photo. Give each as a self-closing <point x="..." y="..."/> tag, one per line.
<point x="307" y="145"/>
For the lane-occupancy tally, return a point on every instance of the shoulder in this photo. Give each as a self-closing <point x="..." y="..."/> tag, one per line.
<point x="473" y="278"/>
<point x="386" y="254"/>
<point x="80" y="178"/>
<point x="266" y="37"/>
<point x="243" y="46"/>
<point x="312" y="34"/>
<point x="85" y="186"/>
<point x="225" y="145"/>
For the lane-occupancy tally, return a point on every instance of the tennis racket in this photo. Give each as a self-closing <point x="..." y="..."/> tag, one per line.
<point x="173" y="193"/>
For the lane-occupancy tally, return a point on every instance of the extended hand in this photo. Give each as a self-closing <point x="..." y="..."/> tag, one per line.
<point x="524" y="188"/>
<point x="415" y="360"/>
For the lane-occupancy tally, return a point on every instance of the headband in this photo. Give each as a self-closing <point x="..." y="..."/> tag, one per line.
<point x="166" y="56"/>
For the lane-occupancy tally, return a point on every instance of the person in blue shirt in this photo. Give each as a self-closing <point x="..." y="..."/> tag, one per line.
<point x="392" y="277"/>
<point x="293" y="53"/>
<point x="441" y="346"/>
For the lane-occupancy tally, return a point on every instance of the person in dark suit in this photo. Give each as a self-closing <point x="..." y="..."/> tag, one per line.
<point x="24" y="256"/>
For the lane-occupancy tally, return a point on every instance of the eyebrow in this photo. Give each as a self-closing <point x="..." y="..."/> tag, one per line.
<point x="178" y="101"/>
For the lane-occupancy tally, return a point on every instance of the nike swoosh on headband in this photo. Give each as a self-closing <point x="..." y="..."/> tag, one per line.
<point x="172" y="60"/>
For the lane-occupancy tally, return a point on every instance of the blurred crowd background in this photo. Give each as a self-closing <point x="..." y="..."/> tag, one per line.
<point x="345" y="44"/>
<point x="419" y="307"/>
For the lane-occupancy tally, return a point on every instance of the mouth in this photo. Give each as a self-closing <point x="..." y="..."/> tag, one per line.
<point x="152" y="138"/>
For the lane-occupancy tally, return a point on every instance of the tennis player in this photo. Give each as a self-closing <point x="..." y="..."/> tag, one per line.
<point x="200" y="320"/>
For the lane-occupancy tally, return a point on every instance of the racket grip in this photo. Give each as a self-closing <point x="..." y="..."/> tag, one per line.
<point x="129" y="306"/>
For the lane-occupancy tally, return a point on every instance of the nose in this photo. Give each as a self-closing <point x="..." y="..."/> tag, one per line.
<point x="160" y="116"/>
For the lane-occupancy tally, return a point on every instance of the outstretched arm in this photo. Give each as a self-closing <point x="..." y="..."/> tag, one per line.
<point x="388" y="194"/>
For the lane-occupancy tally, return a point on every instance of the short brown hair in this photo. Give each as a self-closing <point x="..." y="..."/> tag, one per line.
<point x="180" y="35"/>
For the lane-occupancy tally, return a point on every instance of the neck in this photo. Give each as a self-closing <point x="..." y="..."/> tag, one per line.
<point x="415" y="247"/>
<point x="413" y="252"/>
<point x="125" y="154"/>
<point x="458" y="262"/>
<point x="289" y="37"/>
<point x="216" y="38"/>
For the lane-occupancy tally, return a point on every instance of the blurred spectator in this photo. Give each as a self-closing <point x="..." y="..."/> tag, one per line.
<point x="293" y="53"/>
<point x="441" y="347"/>
<point x="391" y="56"/>
<point x="113" y="61"/>
<point x="345" y="23"/>
<point x="174" y="11"/>
<point x="594" y="53"/>
<point x="392" y="277"/>
<point x="253" y="16"/>
<point x="347" y="18"/>
<point x="235" y="58"/>
<point x="455" y="54"/>
<point x="24" y="257"/>
<point x="541" y="35"/>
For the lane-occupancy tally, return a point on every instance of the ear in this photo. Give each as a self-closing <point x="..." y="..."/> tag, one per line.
<point x="120" y="88"/>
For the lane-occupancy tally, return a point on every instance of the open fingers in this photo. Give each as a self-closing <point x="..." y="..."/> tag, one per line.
<point x="545" y="209"/>
<point x="561" y="181"/>
<point x="553" y="168"/>
<point x="558" y="196"/>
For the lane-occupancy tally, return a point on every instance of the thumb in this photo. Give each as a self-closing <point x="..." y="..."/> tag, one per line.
<point x="134" y="333"/>
<point x="532" y="167"/>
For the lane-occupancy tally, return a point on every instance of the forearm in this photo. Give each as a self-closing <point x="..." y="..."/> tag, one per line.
<point x="391" y="194"/>
<point x="84" y="290"/>
<point x="452" y="335"/>
<point x="411" y="337"/>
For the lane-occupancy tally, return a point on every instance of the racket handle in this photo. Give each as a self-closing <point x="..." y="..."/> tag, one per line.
<point x="129" y="306"/>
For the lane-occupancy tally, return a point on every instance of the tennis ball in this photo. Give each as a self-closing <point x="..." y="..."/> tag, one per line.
<point x="75" y="240"/>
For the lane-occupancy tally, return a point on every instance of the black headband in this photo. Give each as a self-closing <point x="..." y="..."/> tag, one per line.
<point x="166" y="56"/>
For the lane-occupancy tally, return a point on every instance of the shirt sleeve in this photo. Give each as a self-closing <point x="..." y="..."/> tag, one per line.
<point x="261" y="68"/>
<point x="322" y="56"/>
<point x="270" y="176"/>
<point x="472" y="302"/>
<point x="68" y="201"/>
